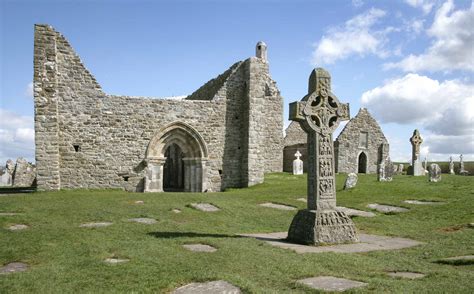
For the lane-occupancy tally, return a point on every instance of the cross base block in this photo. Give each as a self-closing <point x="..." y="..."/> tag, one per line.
<point x="320" y="227"/>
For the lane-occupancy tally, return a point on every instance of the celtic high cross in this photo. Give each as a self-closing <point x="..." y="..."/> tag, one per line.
<point x="319" y="113"/>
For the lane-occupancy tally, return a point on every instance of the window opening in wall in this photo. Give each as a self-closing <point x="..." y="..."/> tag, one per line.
<point x="125" y="178"/>
<point x="77" y="147"/>
<point x="363" y="139"/>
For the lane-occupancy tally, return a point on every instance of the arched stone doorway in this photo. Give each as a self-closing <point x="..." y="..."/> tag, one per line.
<point x="173" y="169"/>
<point x="176" y="160"/>
<point x="362" y="163"/>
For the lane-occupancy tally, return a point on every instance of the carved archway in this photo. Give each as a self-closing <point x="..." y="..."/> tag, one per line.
<point x="194" y="157"/>
<point x="362" y="163"/>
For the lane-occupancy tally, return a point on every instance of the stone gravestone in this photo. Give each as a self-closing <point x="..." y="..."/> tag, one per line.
<point x="351" y="181"/>
<point x="400" y="168"/>
<point x="395" y="169"/>
<point x="416" y="141"/>
<point x="24" y="174"/>
<point x="461" y="166"/>
<point x="297" y="164"/>
<point x="435" y="173"/>
<point x="386" y="170"/>
<point x="451" y="165"/>
<point x="6" y="173"/>
<point x="426" y="164"/>
<point x="319" y="113"/>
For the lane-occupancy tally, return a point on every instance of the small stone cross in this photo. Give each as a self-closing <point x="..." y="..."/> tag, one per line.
<point x="297" y="154"/>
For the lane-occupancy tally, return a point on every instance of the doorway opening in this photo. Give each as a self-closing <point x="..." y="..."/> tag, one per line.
<point x="362" y="163"/>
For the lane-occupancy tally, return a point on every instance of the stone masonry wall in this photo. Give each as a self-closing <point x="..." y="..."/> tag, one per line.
<point x="347" y="147"/>
<point x="88" y="139"/>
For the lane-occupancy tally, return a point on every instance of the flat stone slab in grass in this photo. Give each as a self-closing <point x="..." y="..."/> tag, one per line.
<point x="406" y="275"/>
<point x="96" y="225"/>
<point x="277" y="206"/>
<point x="9" y="213"/>
<point x="143" y="220"/>
<point x="367" y="243"/>
<point x="328" y="283"/>
<point x="204" y="207"/>
<point x="386" y="208"/>
<point x="115" y="260"/>
<point x="303" y="200"/>
<point x="175" y="210"/>
<point x="17" y="227"/>
<point x="139" y="202"/>
<point x="214" y="287"/>
<point x="419" y="202"/>
<point x="200" y="248"/>
<point x="355" y="212"/>
<point x="458" y="260"/>
<point x="13" y="268"/>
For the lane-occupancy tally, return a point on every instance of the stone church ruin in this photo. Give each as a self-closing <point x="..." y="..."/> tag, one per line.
<point x="360" y="147"/>
<point x="228" y="133"/>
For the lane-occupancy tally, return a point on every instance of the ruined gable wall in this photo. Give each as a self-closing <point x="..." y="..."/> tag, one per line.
<point x="111" y="133"/>
<point x="347" y="143"/>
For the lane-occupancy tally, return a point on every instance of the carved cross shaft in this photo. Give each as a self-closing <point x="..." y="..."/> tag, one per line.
<point x="319" y="113"/>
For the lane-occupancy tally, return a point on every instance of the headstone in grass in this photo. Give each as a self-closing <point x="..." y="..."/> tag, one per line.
<point x="144" y="220"/>
<point x="461" y="166"/>
<point x="95" y="225"/>
<point x="319" y="113"/>
<point x="406" y="275"/>
<point x="114" y="260"/>
<point x="297" y="164"/>
<point x="214" y="287"/>
<point x="385" y="171"/>
<point x="416" y="141"/>
<point x="204" y="207"/>
<point x="386" y="208"/>
<point x="351" y="181"/>
<point x="435" y="173"/>
<point x="277" y="206"/>
<point x="328" y="283"/>
<point x="13" y="267"/>
<point x="400" y="168"/>
<point x="199" y="248"/>
<point x="451" y="165"/>
<point x="175" y="210"/>
<point x="139" y="202"/>
<point x="18" y="227"/>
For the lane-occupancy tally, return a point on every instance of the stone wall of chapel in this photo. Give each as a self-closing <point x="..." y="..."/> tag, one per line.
<point x="347" y="148"/>
<point x="88" y="139"/>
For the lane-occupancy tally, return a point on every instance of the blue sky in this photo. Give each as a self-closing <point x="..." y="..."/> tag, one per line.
<point x="409" y="62"/>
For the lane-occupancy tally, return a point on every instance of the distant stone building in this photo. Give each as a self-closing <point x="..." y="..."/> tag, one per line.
<point x="361" y="145"/>
<point x="228" y="133"/>
<point x="359" y="148"/>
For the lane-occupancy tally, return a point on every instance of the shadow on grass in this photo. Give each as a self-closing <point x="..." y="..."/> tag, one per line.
<point x="169" y="235"/>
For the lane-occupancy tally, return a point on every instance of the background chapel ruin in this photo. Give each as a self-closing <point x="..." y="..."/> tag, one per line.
<point x="228" y="133"/>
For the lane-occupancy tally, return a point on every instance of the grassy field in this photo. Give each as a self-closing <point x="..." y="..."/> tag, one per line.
<point x="65" y="258"/>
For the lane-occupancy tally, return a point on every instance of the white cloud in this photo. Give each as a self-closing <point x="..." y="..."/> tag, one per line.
<point x="356" y="37"/>
<point x="17" y="136"/>
<point x="452" y="48"/>
<point x="425" y="5"/>
<point x="29" y="90"/>
<point x="357" y="3"/>
<point x="442" y="108"/>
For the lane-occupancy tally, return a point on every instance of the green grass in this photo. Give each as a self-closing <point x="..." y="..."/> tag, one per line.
<point x="64" y="258"/>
